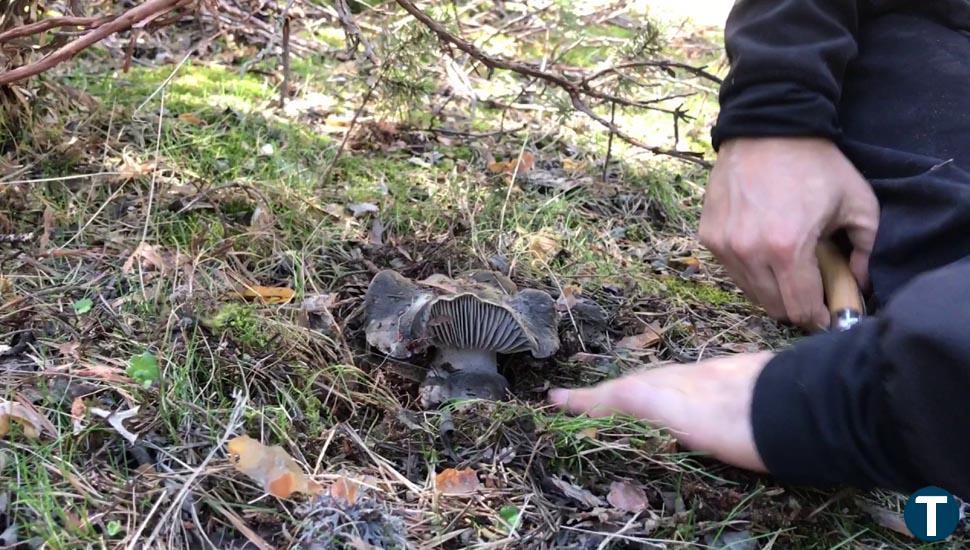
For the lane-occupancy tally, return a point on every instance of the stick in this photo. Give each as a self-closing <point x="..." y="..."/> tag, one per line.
<point x="51" y="23"/>
<point x="122" y="22"/>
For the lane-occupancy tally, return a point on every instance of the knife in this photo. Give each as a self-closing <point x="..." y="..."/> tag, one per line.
<point x="842" y="294"/>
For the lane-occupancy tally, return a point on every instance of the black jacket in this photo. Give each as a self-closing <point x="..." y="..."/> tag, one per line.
<point x="788" y="58"/>
<point x="884" y="404"/>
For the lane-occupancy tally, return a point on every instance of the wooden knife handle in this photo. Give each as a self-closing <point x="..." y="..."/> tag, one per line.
<point x="842" y="294"/>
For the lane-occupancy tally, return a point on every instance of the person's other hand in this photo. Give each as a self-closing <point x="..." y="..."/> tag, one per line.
<point x="706" y="405"/>
<point x="768" y="203"/>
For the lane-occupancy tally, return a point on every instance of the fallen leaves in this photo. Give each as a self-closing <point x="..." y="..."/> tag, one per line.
<point x="269" y="295"/>
<point x="31" y="421"/>
<point x="272" y="467"/>
<point x="542" y="247"/>
<point x="519" y="165"/>
<point x="192" y="119"/>
<point x="117" y="419"/>
<point x="345" y="490"/>
<point x="147" y="257"/>
<point x="627" y="497"/>
<point x="577" y="493"/>
<point x="640" y="342"/>
<point x="457" y="482"/>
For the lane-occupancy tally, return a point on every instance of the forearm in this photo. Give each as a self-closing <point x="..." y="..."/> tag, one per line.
<point x="787" y="59"/>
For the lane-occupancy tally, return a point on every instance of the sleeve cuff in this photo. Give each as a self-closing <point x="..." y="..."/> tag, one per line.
<point x="819" y="414"/>
<point x="774" y="110"/>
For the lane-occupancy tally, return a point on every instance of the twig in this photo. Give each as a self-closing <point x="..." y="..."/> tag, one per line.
<point x="575" y="89"/>
<point x="609" y="144"/>
<point x="122" y="22"/>
<point x="353" y="123"/>
<point x="52" y="23"/>
<point x="285" y="87"/>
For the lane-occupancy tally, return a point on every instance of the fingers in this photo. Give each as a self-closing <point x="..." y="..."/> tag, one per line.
<point x="800" y="285"/>
<point x="594" y="401"/>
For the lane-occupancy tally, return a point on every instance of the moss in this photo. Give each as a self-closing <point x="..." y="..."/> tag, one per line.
<point x="242" y="323"/>
<point x="684" y="289"/>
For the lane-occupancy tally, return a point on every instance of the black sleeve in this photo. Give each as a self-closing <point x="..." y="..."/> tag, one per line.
<point x="881" y="405"/>
<point x="787" y="61"/>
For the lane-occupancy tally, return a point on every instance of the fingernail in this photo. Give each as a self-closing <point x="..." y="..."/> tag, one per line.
<point x="558" y="396"/>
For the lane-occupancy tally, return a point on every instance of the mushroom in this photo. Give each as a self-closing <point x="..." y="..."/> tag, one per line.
<point x="468" y="322"/>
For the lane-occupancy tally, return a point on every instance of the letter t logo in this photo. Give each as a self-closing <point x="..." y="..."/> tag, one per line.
<point x="931" y="502"/>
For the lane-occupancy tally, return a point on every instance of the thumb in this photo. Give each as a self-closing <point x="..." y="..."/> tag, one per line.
<point x="593" y="401"/>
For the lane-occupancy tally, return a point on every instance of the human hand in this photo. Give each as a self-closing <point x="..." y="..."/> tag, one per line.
<point x="706" y="405"/>
<point x="768" y="203"/>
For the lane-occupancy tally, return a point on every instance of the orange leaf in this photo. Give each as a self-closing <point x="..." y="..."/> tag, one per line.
<point x="346" y="490"/>
<point x="520" y="166"/>
<point x="191" y="118"/>
<point x="457" y="482"/>
<point x="267" y="294"/>
<point x="276" y="470"/>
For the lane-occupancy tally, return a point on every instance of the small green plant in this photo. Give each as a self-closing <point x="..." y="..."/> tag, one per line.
<point x="113" y="528"/>
<point x="83" y="306"/>
<point x="143" y="369"/>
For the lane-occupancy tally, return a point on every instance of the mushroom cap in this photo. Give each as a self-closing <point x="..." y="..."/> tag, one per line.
<point x="406" y="317"/>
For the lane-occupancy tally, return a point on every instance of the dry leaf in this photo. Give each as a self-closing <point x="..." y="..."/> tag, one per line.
<point x="457" y="482"/>
<point x="31" y="421"/>
<point x="376" y="233"/>
<point x="572" y="165"/>
<point x="520" y="165"/>
<point x="362" y="208"/>
<point x="642" y="341"/>
<point x="276" y="470"/>
<point x="262" y="219"/>
<point x="192" y="118"/>
<point x="78" y="410"/>
<point x="148" y="256"/>
<point x="69" y="349"/>
<point x="132" y="169"/>
<point x="6" y="286"/>
<point x="567" y="300"/>
<point x="627" y="497"/>
<point x="102" y="372"/>
<point x="45" y="237"/>
<point x="577" y="493"/>
<point x="346" y="490"/>
<point x="267" y="294"/>
<point x="316" y="307"/>
<point x="885" y="518"/>
<point x="543" y="247"/>
<point x="117" y="421"/>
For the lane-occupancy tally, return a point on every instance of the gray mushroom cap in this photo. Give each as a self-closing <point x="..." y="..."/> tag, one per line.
<point x="404" y="317"/>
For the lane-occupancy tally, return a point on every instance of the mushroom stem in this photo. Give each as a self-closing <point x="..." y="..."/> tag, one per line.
<point x="467" y="360"/>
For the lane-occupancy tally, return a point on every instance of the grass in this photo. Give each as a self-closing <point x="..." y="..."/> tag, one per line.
<point x="219" y="208"/>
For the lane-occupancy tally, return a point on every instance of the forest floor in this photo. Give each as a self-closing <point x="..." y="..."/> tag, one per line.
<point x="185" y="261"/>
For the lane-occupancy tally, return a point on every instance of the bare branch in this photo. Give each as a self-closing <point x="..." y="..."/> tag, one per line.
<point x="575" y="89"/>
<point x="52" y="23"/>
<point x="142" y="12"/>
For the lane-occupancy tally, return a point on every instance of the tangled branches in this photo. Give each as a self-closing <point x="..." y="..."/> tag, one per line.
<point x="580" y="89"/>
